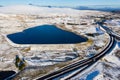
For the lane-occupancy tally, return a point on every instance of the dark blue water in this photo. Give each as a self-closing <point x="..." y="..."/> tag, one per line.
<point x="92" y="75"/>
<point x="6" y="74"/>
<point x="45" y="34"/>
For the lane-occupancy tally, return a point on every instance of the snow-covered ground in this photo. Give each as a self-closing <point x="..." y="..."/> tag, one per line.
<point x="108" y="68"/>
<point x="29" y="9"/>
<point x="20" y="17"/>
<point x="46" y="58"/>
<point x="114" y="25"/>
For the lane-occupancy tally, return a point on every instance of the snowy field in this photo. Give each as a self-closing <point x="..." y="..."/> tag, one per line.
<point x="20" y="17"/>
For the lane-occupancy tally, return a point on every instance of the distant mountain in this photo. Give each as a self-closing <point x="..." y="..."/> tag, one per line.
<point x="49" y="6"/>
<point x="36" y="9"/>
<point x="90" y="7"/>
<point x="82" y="8"/>
<point x="1" y="6"/>
<point x="99" y="7"/>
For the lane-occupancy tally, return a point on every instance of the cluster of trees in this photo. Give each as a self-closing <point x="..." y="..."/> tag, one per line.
<point x="20" y="63"/>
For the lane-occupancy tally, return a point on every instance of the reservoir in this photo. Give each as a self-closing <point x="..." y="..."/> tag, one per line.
<point x="46" y="34"/>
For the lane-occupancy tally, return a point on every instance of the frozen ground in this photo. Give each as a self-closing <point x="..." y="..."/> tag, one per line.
<point x="114" y="24"/>
<point x="108" y="68"/>
<point x="28" y="9"/>
<point x="17" y="18"/>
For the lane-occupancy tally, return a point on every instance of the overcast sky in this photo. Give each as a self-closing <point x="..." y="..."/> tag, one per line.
<point x="60" y="2"/>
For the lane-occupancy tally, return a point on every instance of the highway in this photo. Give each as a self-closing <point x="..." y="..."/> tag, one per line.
<point x="81" y="64"/>
<point x="110" y="47"/>
<point x="97" y="57"/>
<point x="113" y="36"/>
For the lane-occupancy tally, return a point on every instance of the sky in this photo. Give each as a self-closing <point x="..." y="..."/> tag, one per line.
<point x="60" y="2"/>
